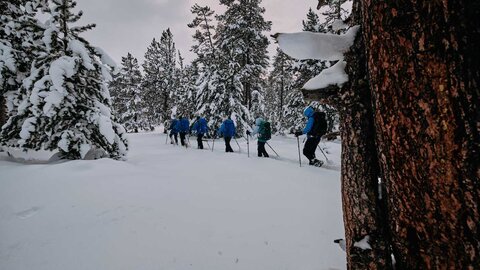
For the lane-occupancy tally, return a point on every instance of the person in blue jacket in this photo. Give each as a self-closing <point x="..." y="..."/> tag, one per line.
<point x="316" y="125"/>
<point x="227" y="130"/>
<point x="173" y="131"/>
<point x="200" y="127"/>
<point x="184" y="128"/>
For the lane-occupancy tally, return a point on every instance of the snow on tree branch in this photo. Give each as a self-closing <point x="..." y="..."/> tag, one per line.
<point x="334" y="75"/>
<point x="321" y="46"/>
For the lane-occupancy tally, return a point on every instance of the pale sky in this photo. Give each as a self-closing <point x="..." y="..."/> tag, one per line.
<point x="130" y="25"/>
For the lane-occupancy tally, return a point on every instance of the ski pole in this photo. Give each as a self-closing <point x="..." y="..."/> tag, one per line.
<point x="239" y="149"/>
<point x="166" y="138"/>
<point x="248" y="146"/>
<point x="213" y="143"/>
<point x="273" y="149"/>
<point x="322" y="152"/>
<point x="299" y="157"/>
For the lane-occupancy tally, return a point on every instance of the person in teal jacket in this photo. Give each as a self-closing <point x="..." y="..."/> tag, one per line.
<point x="263" y="136"/>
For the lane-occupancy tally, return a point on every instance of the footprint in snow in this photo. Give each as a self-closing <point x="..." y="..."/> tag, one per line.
<point x="28" y="213"/>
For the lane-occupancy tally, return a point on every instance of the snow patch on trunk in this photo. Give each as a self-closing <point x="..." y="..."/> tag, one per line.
<point x="363" y="244"/>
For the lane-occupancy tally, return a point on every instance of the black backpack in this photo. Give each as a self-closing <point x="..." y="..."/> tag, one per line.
<point x="265" y="131"/>
<point x="319" y="125"/>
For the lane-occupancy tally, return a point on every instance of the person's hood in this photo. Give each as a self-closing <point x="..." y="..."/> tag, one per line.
<point x="309" y="111"/>
<point x="258" y="121"/>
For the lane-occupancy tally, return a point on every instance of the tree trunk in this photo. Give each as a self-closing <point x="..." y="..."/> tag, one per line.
<point x="423" y="62"/>
<point x="3" y="111"/>
<point x="363" y="211"/>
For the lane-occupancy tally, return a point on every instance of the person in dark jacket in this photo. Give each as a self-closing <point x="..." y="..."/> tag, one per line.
<point x="200" y="128"/>
<point x="313" y="138"/>
<point x="227" y="130"/>
<point x="184" y="128"/>
<point x="261" y="140"/>
<point x="173" y="131"/>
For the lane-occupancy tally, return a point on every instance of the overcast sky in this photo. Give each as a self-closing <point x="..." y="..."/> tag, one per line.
<point x="130" y="25"/>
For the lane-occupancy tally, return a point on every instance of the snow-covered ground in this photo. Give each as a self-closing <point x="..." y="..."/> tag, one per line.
<point x="168" y="207"/>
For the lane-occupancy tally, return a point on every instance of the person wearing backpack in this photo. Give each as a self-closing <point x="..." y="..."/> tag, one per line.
<point x="173" y="131"/>
<point x="264" y="131"/>
<point x="184" y="128"/>
<point x="316" y="127"/>
<point x="200" y="128"/>
<point x="227" y="130"/>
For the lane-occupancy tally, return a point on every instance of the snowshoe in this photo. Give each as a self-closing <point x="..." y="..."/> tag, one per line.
<point x="315" y="162"/>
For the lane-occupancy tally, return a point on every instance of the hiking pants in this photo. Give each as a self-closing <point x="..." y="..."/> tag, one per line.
<point x="174" y="135"/>
<point x="310" y="147"/>
<point x="228" y="148"/>
<point x="261" y="149"/>
<point x="199" y="140"/>
<point x="182" y="138"/>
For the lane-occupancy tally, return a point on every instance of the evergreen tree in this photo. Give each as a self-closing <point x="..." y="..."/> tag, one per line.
<point x="152" y="84"/>
<point x="64" y="102"/>
<point x="206" y="64"/>
<point x="280" y="85"/>
<point x="19" y="33"/>
<point x="242" y="57"/>
<point x="127" y="97"/>
<point x="185" y="94"/>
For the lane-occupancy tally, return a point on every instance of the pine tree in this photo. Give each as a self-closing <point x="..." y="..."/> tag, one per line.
<point x="152" y="84"/>
<point x="185" y="95"/>
<point x="19" y="32"/>
<point x="242" y="54"/>
<point x="206" y="64"/>
<point x="127" y="97"/>
<point x="280" y="85"/>
<point x="64" y="103"/>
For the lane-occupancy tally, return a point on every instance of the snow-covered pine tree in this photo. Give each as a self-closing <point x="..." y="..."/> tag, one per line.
<point x="185" y="95"/>
<point x="64" y="103"/>
<point x="280" y="84"/>
<point x="243" y="57"/>
<point x="160" y="80"/>
<point x="152" y="84"/>
<point x="19" y="32"/>
<point x="206" y="63"/>
<point x="126" y="94"/>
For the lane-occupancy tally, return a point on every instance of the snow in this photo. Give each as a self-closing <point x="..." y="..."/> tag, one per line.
<point x="169" y="207"/>
<point x="61" y="68"/>
<point x="363" y="244"/>
<point x="79" y="49"/>
<point x="106" y="128"/>
<point x="7" y="60"/>
<point x="334" y="75"/>
<point x="105" y="58"/>
<point x="27" y="127"/>
<point x="322" y="46"/>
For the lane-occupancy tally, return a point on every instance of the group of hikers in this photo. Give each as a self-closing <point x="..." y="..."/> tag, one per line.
<point x="315" y="128"/>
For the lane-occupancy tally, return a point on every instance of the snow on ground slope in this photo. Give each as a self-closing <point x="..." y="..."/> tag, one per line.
<point x="169" y="207"/>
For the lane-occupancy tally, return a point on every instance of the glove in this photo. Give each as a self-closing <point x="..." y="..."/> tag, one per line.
<point x="298" y="133"/>
<point x="248" y="132"/>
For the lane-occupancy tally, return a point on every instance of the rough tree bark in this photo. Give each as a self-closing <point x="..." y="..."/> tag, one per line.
<point x="3" y="111"/>
<point x="362" y="210"/>
<point x="423" y="59"/>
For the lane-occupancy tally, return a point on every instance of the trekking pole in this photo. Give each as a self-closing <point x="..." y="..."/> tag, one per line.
<point x="299" y="157"/>
<point x="239" y="149"/>
<point x="272" y="149"/>
<point x="248" y="146"/>
<point x="322" y="152"/>
<point x="166" y="138"/>
<point x="213" y="143"/>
